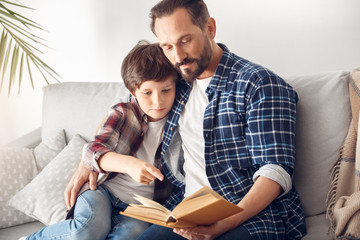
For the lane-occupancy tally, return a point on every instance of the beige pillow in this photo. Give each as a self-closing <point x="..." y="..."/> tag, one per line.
<point x="18" y="166"/>
<point x="43" y="197"/>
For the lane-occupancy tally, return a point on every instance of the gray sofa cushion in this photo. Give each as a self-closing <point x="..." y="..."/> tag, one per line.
<point x="318" y="228"/>
<point x="78" y="107"/>
<point x="323" y="118"/>
<point x="13" y="233"/>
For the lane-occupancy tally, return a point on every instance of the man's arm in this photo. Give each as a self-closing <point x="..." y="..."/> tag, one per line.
<point x="81" y="176"/>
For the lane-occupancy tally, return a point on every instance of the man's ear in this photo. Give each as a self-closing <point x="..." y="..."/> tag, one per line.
<point x="211" y="27"/>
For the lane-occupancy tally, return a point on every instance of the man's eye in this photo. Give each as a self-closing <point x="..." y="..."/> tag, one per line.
<point x="185" y="41"/>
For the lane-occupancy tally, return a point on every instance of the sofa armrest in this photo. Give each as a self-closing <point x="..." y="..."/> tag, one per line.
<point x="29" y="140"/>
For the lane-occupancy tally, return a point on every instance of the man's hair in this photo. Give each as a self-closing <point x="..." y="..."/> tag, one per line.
<point x="197" y="10"/>
<point x="146" y="61"/>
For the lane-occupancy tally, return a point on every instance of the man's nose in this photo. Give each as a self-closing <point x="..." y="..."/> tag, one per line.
<point x="179" y="55"/>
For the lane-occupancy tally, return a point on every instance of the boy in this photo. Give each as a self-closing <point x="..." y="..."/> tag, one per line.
<point x="126" y="147"/>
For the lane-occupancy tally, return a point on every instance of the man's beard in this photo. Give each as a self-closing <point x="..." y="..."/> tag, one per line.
<point x="202" y="63"/>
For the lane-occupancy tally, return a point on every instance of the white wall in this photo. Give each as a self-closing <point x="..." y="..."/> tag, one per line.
<point x="89" y="39"/>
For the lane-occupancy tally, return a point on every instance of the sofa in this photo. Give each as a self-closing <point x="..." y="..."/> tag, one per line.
<point x="72" y="112"/>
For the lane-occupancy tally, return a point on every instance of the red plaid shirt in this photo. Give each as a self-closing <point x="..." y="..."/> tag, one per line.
<point x="122" y="132"/>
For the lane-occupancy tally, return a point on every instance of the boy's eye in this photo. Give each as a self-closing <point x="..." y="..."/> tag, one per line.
<point x="167" y="47"/>
<point x="147" y="93"/>
<point x="166" y="90"/>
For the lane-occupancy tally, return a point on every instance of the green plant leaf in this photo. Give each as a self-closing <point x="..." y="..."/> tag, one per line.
<point x="29" y="70"/>
<point x="21" y="30"/>
<point x="5" y="63"/>
<point x="3" y="42"/>
<point x="18" y="41"/>
<point x="17" y="5"/>
<point x="13" y="67"/>
<point x="21" y="71"/>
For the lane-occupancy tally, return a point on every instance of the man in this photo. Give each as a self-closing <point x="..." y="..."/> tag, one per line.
<point x="236" y="120"/>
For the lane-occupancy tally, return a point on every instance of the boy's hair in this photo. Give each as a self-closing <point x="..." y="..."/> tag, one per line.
<point x="197" y="10"/>
<point x="146" y="61"/>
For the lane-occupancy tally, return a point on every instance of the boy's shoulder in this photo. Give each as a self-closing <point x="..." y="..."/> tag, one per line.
<point x="122" y="105"/>
<point x="128" y="107"/>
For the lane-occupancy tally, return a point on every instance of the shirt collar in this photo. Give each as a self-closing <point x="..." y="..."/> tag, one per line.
<point x="139" y="112"/>
<point x="220" y="78"/>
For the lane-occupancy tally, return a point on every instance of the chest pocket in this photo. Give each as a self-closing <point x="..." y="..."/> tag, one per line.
<point x="229" y="146"/>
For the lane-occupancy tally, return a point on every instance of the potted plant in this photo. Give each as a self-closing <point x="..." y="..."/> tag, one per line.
<point x="19" y="47"/>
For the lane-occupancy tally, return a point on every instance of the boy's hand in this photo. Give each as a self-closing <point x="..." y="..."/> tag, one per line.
<point x="143" y="172"/>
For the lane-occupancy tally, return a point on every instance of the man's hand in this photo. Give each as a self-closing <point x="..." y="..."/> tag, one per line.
<point x="80" y="177"/>
<point x="200" y="233"/>
<point x="212" y="231"/>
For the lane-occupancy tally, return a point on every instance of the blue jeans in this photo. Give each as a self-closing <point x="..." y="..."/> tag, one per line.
<point x="156" y="232"/>
<point x="96" y="216"/>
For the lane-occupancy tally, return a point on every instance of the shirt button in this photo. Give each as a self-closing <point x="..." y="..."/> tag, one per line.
<point x="171" y="128"/>
<point x="182" y="102"/>
<point x="142" y="134"/>
<point x="162" y="153"/>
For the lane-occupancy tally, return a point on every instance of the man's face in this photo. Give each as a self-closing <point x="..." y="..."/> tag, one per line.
<point x="185" y="45"/>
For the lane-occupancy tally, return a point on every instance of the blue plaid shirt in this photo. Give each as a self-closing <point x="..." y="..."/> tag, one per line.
<point x="249" y="122"/>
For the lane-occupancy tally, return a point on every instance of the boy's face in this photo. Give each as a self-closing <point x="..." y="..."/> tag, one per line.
<point x="156" y="98"/>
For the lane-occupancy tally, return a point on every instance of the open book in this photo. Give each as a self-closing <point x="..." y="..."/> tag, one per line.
<point x="204" y="207"/>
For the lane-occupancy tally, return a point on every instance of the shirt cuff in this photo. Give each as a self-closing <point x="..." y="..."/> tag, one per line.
<point x="277" y="174"/>
<point x="90" y="159"/>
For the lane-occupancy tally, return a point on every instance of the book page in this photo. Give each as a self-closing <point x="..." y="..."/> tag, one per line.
<point x="142" y="208"/>
<point x="147" y="212"/>
<point x="150" y="203"/>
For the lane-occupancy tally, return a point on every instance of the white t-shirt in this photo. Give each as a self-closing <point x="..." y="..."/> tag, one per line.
<point x="122" y="185"/>
<point x="191" y="132"/>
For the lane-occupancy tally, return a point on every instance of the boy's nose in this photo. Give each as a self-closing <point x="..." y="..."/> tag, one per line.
<point x="156" y="99"/>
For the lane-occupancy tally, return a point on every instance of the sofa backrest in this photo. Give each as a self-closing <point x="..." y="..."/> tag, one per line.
<point x="78" y="107"/>
<point x="323" y="119"/>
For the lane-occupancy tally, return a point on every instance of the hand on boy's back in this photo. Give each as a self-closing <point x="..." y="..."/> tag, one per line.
<point x="143" y="172"/>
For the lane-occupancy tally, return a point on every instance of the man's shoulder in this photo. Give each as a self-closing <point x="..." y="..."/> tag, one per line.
<point x="241" y="73"/>
<point x="241" y="68"/>
<point x="248" y="68"/>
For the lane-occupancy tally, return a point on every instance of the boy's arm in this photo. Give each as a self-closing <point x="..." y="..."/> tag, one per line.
<point x="141" y="171"/>
<point x="105" y="140"/>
